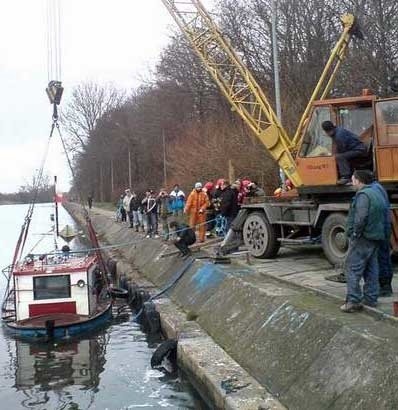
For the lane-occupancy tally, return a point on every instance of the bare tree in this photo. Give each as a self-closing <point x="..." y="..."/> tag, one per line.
<point x="89" y="102"/>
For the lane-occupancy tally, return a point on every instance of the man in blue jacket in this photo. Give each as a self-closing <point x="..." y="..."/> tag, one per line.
<point x="366" y="231"/>
<point x="348" y="147"/>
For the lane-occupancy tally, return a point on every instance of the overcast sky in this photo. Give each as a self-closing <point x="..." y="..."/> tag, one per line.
<point x="116" y="41"/>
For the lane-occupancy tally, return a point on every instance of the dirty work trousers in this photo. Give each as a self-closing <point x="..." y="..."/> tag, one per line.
<point x="182" y="245"/>
<point x="152" y="221"/>
<point x="165" y="227"/>
<point x="135" y="221"/>
<point x="385" y="265"/>
<point x="343" y="162"/>
<point x="198" y="219"/>
<point x="361" y="263"/>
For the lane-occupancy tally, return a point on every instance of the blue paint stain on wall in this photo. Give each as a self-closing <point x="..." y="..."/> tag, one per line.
<point x="208" y="276"/>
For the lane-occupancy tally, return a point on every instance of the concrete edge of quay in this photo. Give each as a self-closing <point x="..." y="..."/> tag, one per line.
<point x="292" y="340"/>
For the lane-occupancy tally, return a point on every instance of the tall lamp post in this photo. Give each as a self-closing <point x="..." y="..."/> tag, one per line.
<point x="164" y="159"/>
<point x="128" y="152"/>
<point x="275" y="58"/>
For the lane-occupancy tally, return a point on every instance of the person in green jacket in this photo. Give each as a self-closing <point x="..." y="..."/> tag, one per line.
<point x="365" y="230"/>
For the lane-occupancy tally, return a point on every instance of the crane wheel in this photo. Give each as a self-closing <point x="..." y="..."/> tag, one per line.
<point x="334" y="239"/>
<point x="260" y="236"/>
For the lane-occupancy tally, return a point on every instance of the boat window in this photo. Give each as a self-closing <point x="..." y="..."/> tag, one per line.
<point x="387" y="122"/>
<point x="315" y="142"/>
<point x="51" y="287"/>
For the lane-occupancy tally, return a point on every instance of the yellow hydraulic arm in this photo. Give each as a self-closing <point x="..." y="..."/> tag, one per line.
<point x="339" y="52"/>
<point x="235" y="80"/>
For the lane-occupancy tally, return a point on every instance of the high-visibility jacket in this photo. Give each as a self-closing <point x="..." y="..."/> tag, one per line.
<point x="196" y="202"/>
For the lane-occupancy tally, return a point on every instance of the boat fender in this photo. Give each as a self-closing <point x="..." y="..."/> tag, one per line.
<point x="166" y="350"/>
<point x="133" y="290"/>
<point x="112" y="268"/>
<point x="119" y="293"/>
<point x="50" y="324"/>
<point x="123" y="282"/>
<point x="150" y="319"/>
<point x="142" y="297"/>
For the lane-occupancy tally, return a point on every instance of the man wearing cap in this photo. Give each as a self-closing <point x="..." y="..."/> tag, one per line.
<point x="195" y="208"/>
<point x="126" y="204"/>
<point x="348" y="147"/>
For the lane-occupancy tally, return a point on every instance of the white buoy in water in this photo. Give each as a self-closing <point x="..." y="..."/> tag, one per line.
<point x="67" y="233"/>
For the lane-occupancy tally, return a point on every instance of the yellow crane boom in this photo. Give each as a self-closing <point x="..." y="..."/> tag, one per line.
<point x="235" y="80"/>
<point x="240" y="87"/>
<point x="338" y="54"/>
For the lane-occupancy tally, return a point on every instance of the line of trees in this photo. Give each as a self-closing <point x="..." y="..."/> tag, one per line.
<point x="26" y="192"/>
<point x="117" y="138"/>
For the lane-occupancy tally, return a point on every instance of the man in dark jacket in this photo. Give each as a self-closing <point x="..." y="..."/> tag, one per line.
<point x="184" y="237"/>
<point x="135" y="205"/>
<point x="384" y="255"/>
<point x="229" y="207"/>
<point x="348" y="147"/>
<point x="151" y="211"/>
<point x="164" y="211"/>
<point x="365" y="230"/>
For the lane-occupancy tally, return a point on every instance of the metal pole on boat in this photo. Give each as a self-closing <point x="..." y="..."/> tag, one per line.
<point x="56" y="206"/>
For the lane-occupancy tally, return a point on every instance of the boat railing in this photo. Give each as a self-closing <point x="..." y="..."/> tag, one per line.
<point x="8" y="306"/>
<point x="43" y="262"/>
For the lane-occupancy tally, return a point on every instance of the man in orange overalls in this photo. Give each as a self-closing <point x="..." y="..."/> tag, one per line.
<point x="195" y="207"/>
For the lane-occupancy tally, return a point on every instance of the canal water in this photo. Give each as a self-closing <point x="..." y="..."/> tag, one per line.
<point x="107" y="370"/>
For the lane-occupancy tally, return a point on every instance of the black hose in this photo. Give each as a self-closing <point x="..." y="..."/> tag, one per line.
<point x="178" y="275"/>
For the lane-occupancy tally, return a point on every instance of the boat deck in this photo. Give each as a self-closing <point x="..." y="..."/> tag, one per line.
<point x="60" y="319"/>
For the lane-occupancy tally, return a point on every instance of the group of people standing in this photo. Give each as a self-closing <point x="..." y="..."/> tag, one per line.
<point x="214" y="206"/>
<point x="208" y="208"/>
<point x="144" y="213"/>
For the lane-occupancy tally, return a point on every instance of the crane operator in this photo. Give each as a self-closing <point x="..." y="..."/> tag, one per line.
<point x="348" y="147"/>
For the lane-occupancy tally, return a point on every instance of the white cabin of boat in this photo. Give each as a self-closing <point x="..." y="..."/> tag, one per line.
<point x="55" y="285"/>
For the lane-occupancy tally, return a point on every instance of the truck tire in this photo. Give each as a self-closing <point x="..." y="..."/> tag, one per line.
<point x="334" y="240"/>
<point x="260" y="236"/>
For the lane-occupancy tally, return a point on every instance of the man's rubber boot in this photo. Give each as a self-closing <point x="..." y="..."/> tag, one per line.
<point x="350" y="307"/>
<point x="385" y="288"/>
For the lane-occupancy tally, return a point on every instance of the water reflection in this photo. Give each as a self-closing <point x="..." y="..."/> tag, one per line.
<point x="40" y="368"/>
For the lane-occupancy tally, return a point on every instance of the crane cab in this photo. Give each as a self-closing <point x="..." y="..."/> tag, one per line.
<point x="374" y="120"/>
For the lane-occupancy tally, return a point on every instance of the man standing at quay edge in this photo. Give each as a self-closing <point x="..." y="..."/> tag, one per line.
<point x="366" y="231"/>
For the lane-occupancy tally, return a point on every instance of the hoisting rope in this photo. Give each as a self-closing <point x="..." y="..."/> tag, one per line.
<point x="54" y="40"/>
<point x="36" y="186"/>
<point x="134" y="242"/>
<point x="54" y="92"/>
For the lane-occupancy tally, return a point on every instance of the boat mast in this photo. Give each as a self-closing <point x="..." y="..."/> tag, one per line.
<point x="56" y="206"/>
<point x="56" y="226"/>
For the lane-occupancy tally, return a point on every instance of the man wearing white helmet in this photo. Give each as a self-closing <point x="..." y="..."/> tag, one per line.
<point x="195" y="208"/>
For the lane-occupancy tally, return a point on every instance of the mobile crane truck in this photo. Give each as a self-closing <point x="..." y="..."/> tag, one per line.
<point x="316" y="210"/>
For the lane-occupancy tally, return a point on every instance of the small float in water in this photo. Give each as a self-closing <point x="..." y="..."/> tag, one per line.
<point x="68" y="233"/>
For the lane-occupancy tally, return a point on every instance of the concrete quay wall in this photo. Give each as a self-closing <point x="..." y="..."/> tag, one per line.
<point x="295" y="343"/>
